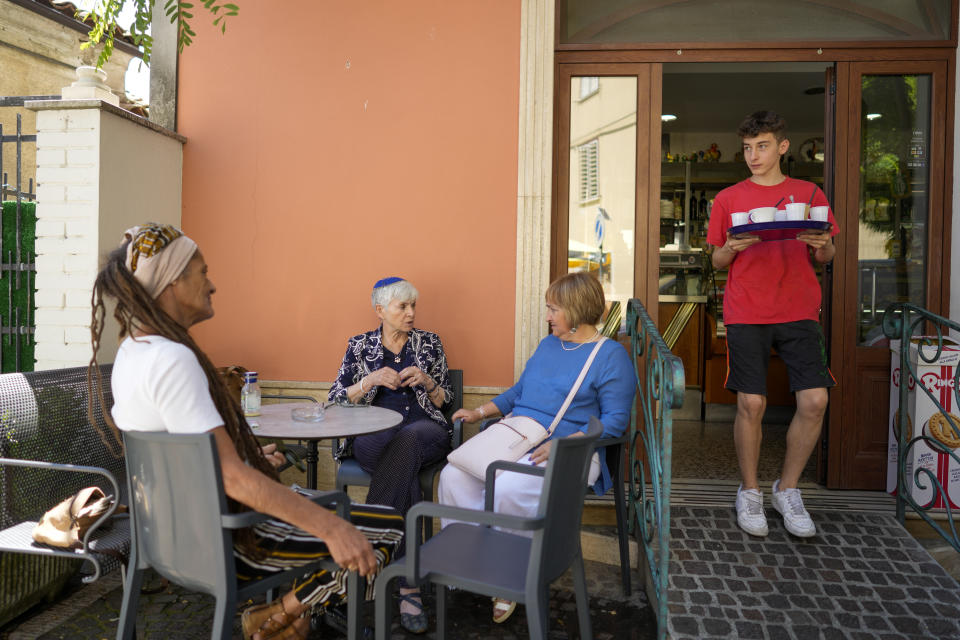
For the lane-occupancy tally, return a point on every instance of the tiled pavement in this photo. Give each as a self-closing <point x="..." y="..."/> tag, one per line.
<point x="862" y="577"/>
<point x="91" y="614"/>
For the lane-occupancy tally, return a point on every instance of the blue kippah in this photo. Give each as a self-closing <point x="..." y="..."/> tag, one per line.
<point x="385" y="281"/>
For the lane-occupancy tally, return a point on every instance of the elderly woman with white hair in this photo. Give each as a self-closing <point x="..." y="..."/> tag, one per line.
<point x="398" y="367"/>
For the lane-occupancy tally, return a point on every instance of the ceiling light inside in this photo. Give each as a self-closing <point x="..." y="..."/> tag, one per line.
<point x="668" y="117"/>
<point x="874" y="116"/>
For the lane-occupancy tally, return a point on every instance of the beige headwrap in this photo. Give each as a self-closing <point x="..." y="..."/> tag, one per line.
<point x="157" y="255"/>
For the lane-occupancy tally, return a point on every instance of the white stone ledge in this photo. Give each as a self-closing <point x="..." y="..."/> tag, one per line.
<point x="68" y="176"/>
<point x="46" y="105"/>
<point x="74" y="354"/>
<point x="80" y="263"/>
<point x="48" y="263"/>
<point x="71" y="139"/>
<point x="63" y="246"/>
<point x="77" y="335"/>
<point x="81" y="193"/>
<point x="49" y="298"/>
<point x="53" y="157"/>
<point x="57" y="279"/>
<point x="78" y="297"/>
<point x="66" y="210"/>
<point x="50" y="228"/>
<point x="79" y="227"/>
<point x="63" y="317"/>
<point x="50" y="194"/>
<point x="49" y="334"/>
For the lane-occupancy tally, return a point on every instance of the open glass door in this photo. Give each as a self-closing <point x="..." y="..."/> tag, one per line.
<point x="603" y="176"/>
<point x="891" y="227"/>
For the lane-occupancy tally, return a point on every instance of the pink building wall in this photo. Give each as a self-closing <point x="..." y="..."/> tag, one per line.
<point x="331" y="144"/>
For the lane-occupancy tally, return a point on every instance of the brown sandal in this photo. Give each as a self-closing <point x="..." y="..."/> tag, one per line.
<point x="299" y="629"/>
<point x="268" y="621"/>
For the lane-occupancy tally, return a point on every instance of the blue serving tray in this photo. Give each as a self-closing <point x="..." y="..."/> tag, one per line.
<point x="794" y="225"/>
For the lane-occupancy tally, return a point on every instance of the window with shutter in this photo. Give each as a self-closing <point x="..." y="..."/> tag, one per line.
<point x="589" y="85"/>
<point x="589" y="159"/>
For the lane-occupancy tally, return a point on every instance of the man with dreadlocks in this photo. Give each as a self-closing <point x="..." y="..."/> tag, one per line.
<point x="162" y="381"/>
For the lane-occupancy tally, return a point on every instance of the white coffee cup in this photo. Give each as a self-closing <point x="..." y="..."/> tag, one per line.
<point x="820" y="213"/>
<point x="739" y="218"/>
<point x="797" y="211"/>
<point x="763" y="214"/>
<point x="780" y="216"/>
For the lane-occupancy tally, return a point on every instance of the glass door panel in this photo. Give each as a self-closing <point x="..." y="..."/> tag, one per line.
<point x="894" y="201"/>
<point x="602" y="181"/>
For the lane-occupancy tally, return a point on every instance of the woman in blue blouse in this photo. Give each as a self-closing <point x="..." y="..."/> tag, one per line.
<point x="405" y="369"/>
<point x="575" y="305"/>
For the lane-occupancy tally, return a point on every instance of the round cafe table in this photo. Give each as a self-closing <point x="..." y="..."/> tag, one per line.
<point x="275" y="421"/>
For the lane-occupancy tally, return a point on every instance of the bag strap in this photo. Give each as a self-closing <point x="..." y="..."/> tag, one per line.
<point x="576" y="386"/>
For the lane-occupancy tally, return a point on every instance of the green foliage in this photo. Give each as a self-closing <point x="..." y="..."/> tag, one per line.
<point x="13" y="297"/>
<point x="105" y="13"/>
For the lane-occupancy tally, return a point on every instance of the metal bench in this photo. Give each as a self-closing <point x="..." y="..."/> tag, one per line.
<point x="48" y="451"/>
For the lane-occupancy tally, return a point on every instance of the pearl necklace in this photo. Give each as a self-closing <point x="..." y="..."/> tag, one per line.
<point x="595" y="336"/>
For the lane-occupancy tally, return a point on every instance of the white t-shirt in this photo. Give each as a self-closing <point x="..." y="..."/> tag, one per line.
<point x="158" y="385"/>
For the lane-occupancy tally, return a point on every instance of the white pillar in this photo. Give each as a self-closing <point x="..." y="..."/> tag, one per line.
<point x="100" y="170"/>
<point x="534" y="176"/>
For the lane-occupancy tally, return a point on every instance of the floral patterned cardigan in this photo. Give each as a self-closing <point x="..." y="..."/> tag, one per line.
<point x="365" y="355"/>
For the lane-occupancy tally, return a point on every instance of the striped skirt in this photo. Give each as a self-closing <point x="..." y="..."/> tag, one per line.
<point x="284" y="546"/>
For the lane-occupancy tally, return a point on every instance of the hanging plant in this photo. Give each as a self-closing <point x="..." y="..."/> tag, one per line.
<point x="104" y="15"/>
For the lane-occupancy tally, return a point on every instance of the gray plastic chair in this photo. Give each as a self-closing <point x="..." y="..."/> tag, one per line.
<point x="351" y="474"/>
<point x="183" y="529"/>
<point x="496" y="563"/>
<point x="615" y="457"/>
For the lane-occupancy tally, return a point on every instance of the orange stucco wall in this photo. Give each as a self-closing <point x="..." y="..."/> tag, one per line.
<point x="331" y="144"/>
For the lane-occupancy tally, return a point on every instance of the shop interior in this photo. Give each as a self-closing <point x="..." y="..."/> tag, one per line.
<point x="700" y="153"/>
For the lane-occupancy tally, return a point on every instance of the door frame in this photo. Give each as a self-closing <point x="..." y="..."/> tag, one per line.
<point x="646" y="199"/>
<point x="848" y="436"/>
<point x="842" y="420"/>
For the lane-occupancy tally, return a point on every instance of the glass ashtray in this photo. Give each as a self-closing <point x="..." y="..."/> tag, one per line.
<point x="313" y="413"/>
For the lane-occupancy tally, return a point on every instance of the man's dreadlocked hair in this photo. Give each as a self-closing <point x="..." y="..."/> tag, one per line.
<point x="135" y="307"/>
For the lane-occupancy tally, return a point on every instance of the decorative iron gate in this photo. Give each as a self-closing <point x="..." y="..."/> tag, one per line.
<point x="660" y="389"/>
<point x="18" y="221"/>
<point x="928" y="464"/>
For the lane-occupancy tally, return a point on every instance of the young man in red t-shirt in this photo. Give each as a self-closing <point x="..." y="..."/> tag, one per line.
<point x="772" y="300"/>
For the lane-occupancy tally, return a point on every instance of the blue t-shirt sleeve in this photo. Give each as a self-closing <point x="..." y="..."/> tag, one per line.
<point x="617" y="387"/>
<point x="507" y="400"/>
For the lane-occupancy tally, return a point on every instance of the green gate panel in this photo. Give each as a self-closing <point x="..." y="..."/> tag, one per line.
<point x="8" y="282"/>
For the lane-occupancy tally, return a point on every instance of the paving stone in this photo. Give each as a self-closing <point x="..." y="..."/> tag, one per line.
<point x="877" y="623"/>
<point x="811" y="588"/>
<point x="749" y="630"/>
<point x="776" y="601"/>
<point x="830" y="633"/>
<point x="685" y="625"/>
<point x="806" y="632"/>
<point x="774" y="615"/>
<point x="776" y="632"/>
<point x="872" y="607"/>
<point x="717" y="627"/>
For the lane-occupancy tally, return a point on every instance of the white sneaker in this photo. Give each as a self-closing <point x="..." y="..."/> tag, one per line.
<point x="790" y="505"/>
<point x="750" y="512"/>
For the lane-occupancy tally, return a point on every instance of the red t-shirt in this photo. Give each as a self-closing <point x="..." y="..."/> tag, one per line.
<point x="773" y="281"/>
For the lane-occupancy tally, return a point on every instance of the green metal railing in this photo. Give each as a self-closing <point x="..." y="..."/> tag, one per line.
<point x="660" y="388"/>
<point x="917" y="444"/>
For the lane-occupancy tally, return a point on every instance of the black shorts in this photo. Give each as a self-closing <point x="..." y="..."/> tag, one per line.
<point x="799" y="344"/>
